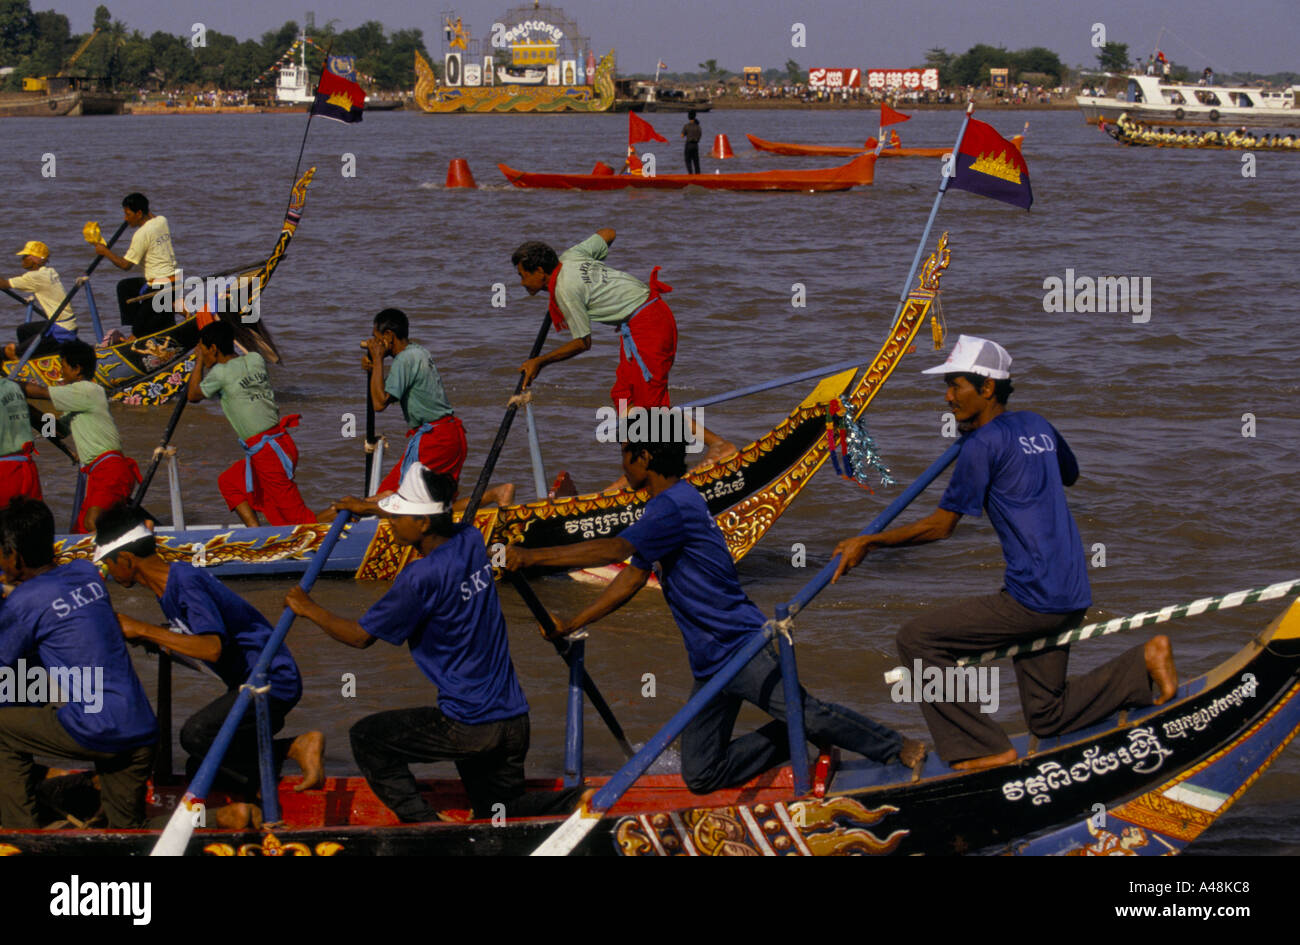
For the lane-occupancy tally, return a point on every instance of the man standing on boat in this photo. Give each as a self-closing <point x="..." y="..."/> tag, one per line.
<point x="58" y="618"/>
<point x="151" y="247"/>
<point x="110" y="475"/>
<point x="1014" y="465"/>
<point x="677" y="538"/>
<point x="42" y="281"/>
<point x="692" y="133"/>
<point x="209" y="622"/>
<point x="583" y="290"/>
<point x="444" y="606"/>
<point x="263" y="481"/>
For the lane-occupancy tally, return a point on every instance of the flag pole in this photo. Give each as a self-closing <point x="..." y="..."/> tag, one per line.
<point x="943" y="188"/>
<point x="311" y="113"/>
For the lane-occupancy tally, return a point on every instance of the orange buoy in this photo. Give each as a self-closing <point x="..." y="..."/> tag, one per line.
<point x="459" y="175"/>
<point x="721" y="148"/>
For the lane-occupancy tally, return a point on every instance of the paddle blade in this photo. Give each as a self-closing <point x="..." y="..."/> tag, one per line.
<point x="569" y="834"/>
<point x="176" y="836"/>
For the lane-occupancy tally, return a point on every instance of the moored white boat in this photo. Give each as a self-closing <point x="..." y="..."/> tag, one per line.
<point x="1150" y="100"/>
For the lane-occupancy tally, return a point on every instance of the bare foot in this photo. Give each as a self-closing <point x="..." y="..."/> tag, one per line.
<point x="988" y="761"/>
<point x="719" y="451"/>
<point x="912" y="753"/>
<point x="308" y="750"/>
<point x="502" y="495"/>
<point x="238" y="817"/>
<point x="1160" y="666"/>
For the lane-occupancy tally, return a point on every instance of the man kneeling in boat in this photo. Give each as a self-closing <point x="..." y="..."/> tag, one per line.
<point x="583" y="290"/>
<point x="677" y="537"/>
<point x="264" y="480"/>
<point x="209" y="622"/>
<point x="445" y="608"/>
<point x="58" y="628"/>
<point x="42" y="281"/>
<point x="1014" y="464"/>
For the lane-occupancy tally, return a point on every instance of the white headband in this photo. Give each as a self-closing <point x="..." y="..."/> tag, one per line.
<point x="134" y="535"/>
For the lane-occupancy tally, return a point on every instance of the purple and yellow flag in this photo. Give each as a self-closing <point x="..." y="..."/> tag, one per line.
<point x="338" y="96"/>
<point x="987" y="163"/>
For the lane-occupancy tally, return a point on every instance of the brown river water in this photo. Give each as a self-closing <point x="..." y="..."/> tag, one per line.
<point x="1184" y="503"/>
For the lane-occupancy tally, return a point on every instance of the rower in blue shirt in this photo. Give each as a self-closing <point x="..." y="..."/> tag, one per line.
<point x="1014" y="464"/>
<point x="211" y="623"/>
<point x="60" y="642"/>
<point x="677" y="538"/>
<point x="445" y="608"/>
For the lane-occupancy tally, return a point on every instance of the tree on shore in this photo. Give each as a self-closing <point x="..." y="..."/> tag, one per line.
<point x="1113" y="57"/>
<point x="794" y="73"/>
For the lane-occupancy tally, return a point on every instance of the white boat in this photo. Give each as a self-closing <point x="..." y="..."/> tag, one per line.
<point x="1151" y="101"/>
<point x="527" y="77"/>
<point x="293" y="85"/>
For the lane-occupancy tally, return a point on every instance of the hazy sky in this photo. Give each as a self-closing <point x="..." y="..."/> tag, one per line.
<point x="1254" y="35"/>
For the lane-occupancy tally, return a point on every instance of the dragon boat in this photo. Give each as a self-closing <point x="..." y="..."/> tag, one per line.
<point x="828" y="150"/>
<point x="857" y="173"/>
<point x="1138" y="136"/>
<point x="152" y="370"/>
<point x="1144" y="782"/>
<point x="746" y="493"/>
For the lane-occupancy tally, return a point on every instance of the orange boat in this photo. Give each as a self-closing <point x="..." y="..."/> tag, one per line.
<point x="857" y="173"/>
<point x="826" y="150"/>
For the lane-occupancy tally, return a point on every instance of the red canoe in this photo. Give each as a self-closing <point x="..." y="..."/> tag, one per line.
<point x="825" y="150"/>
<point x="857" y="173"/>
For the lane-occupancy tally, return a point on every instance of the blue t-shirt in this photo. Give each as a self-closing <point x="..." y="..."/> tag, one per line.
<point x="62" y="620"/>
<point x="445" y="607"/>
<point x="698" y="576"/>
<point x="195" y="602"/>
<point x="1016" y="466"/>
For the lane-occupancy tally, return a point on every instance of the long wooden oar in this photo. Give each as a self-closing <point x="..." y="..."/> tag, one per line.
<point x="490" y="464"/>
<point x="249" y="268"/>
<point x="54" y="317"/>
<point x="158" y="453"/>
<point x="177" y="834"/>
<point x="370" y="437"/>
<point x="520" y="584"/>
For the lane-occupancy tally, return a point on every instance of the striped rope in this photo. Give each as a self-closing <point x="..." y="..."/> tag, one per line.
<point x="1103" y="627"/>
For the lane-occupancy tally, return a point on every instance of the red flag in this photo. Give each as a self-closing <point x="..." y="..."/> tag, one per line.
<point x="638" y="130"/>
<point x="890" y="117"/>
<point x="987" y="163"/>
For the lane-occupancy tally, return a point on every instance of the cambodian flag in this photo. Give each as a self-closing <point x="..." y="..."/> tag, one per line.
<point x="338" y="96"/>
<point x="988" y="164"/>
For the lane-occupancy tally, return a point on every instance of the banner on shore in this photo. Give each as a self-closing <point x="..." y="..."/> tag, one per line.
<point x="835" y="79"/>
<point x="753" y="76"/>
<point x="889" y="79"/>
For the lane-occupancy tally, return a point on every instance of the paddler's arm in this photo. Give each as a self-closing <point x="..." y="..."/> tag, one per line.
<point x="194" y="393"/>
<point x="533" y="366"/>
<point x="585" y="554"/>
<point x="621" y="590"/>
<point x="341" y="629"/>
<point x="373" y="362"/>
<point x="201" y="646"/>
<point x="607" y="233"/>
<point x="120" y="262"/>
<point x="936" y="526"/>
<point x="35" y="391"/>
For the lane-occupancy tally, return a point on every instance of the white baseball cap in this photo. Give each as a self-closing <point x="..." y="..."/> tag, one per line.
<point x="971" y="355"/>
<point x="412" y="496"/>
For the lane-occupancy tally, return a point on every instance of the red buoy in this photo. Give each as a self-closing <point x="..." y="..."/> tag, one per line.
<point x="721" y="148"/>
<point x="458" y="174"/>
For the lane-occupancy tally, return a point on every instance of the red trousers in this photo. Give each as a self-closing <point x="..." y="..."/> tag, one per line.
<point x="110" y="480"/>
<point x="654" y="333"/>
<point x="19" y="476"/>
<point x="442" y="447"/>
<point x="273" y="492"/>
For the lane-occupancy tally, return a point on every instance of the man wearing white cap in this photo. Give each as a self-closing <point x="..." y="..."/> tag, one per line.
<point x="42" y="281"/>
<point x="1014" y="464"/>
<point x="445" y="608"/>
